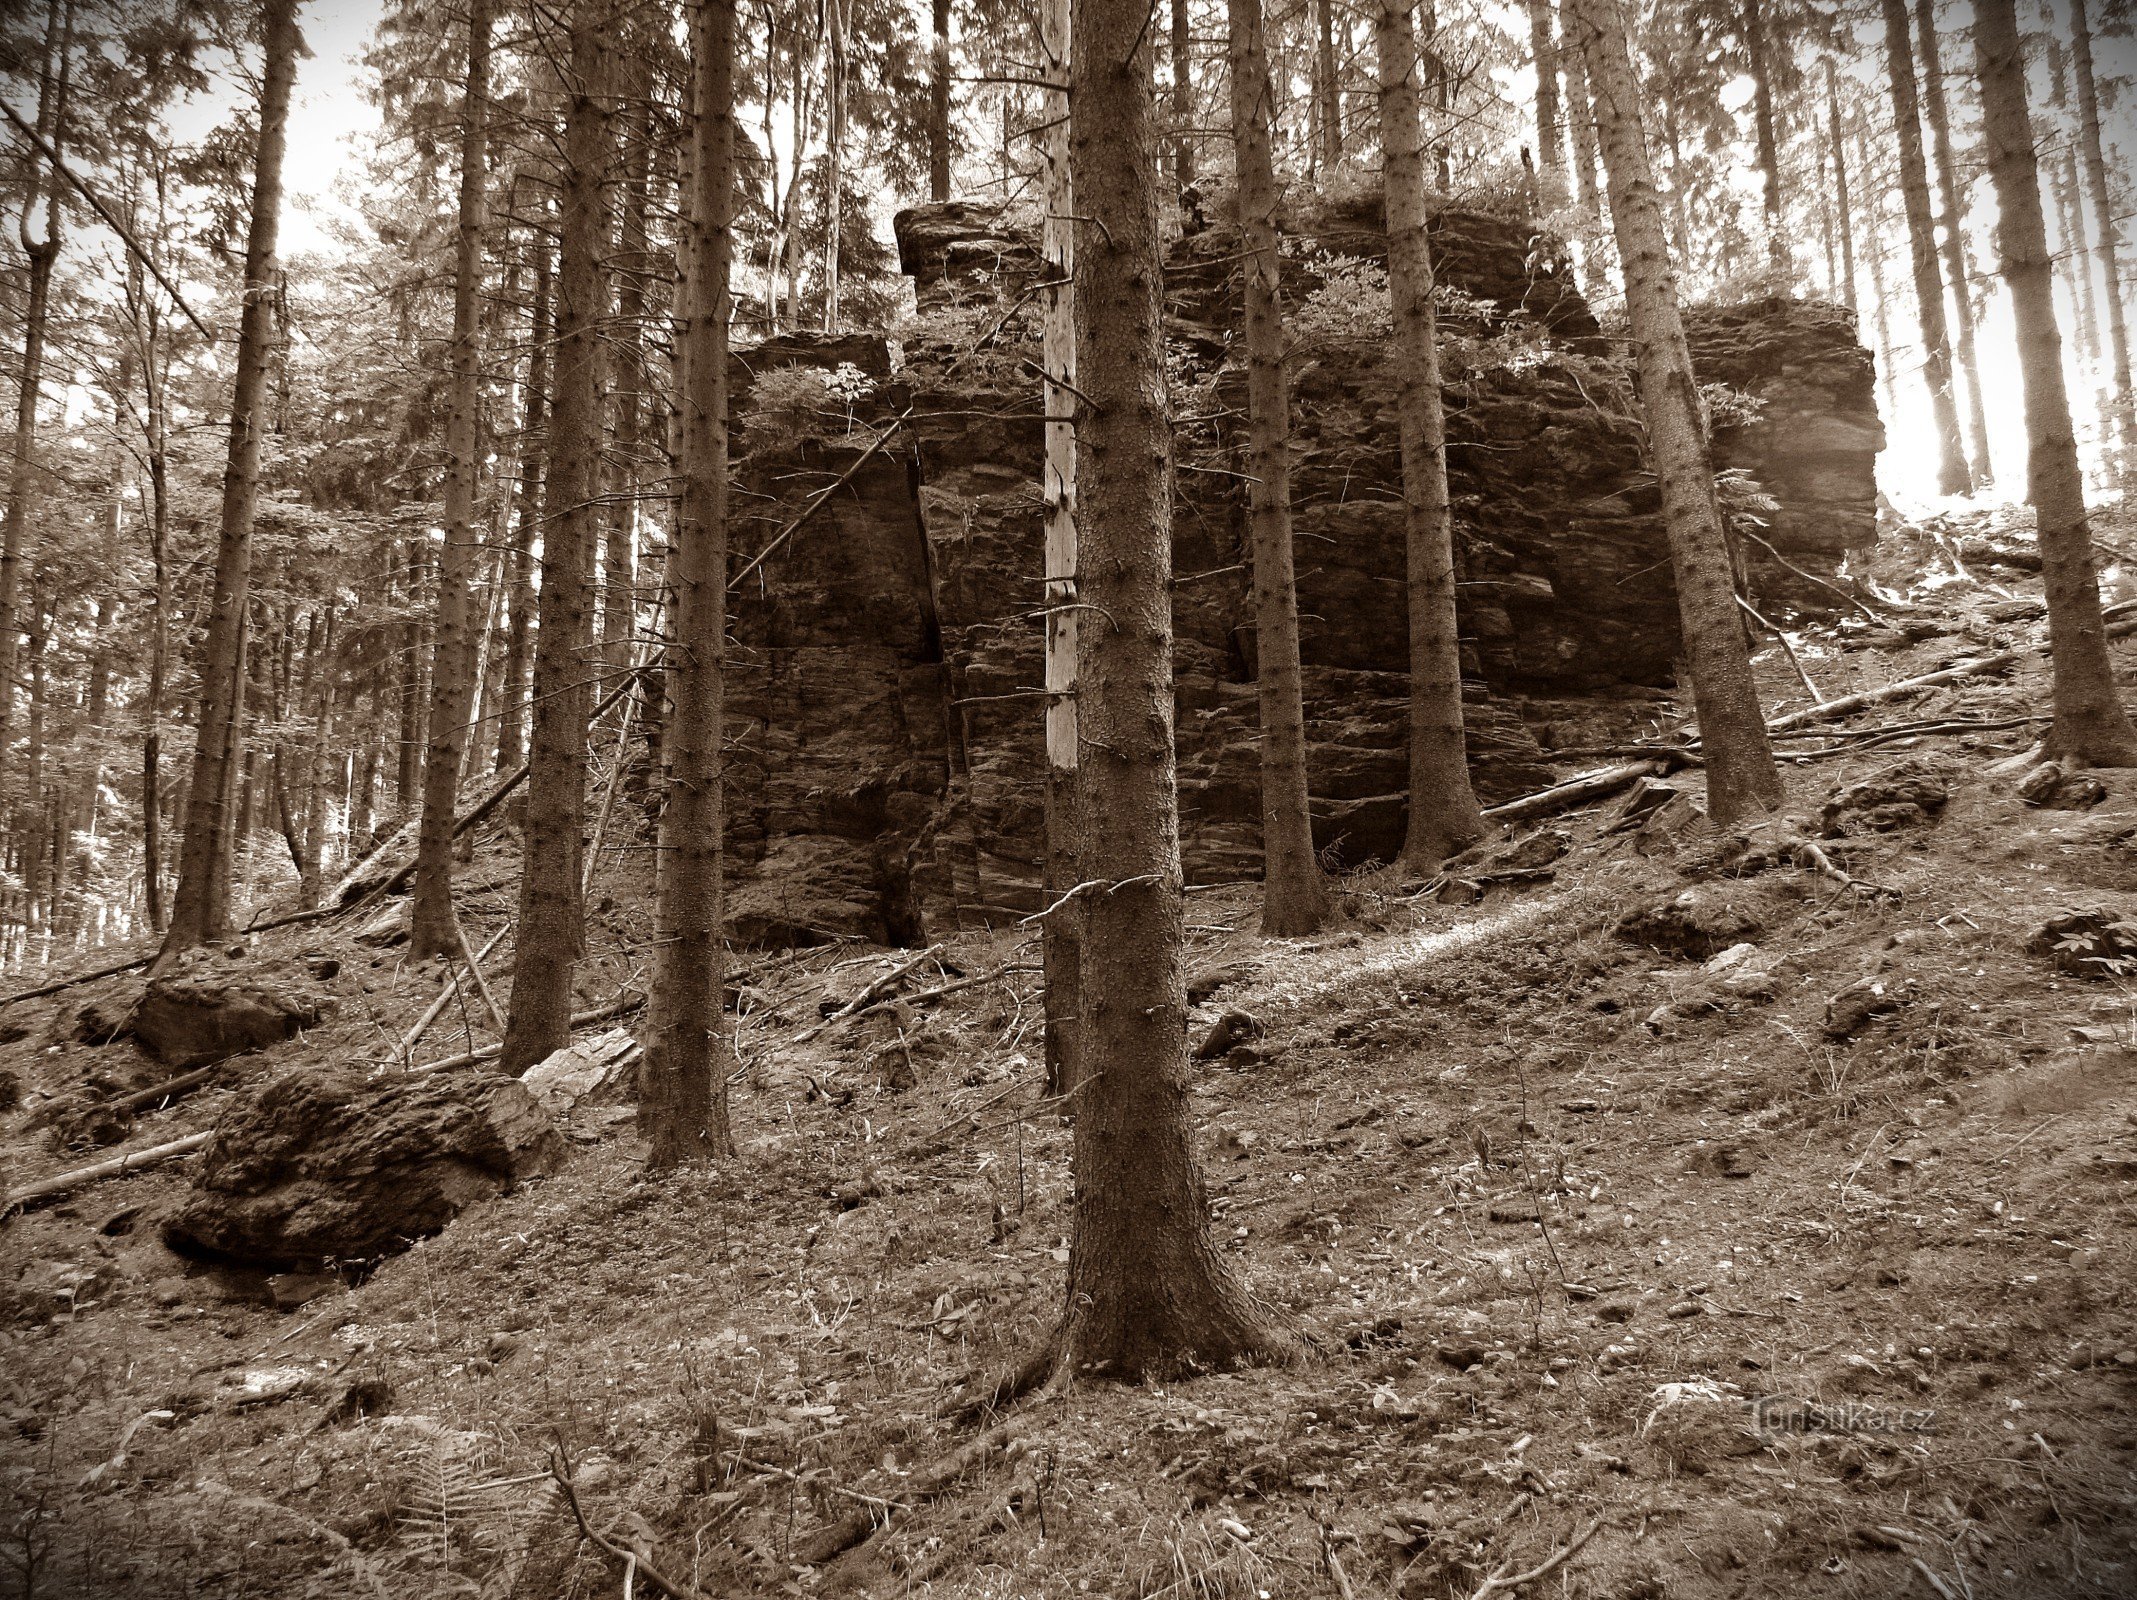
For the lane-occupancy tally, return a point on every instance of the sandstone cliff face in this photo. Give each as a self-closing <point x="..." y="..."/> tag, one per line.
<point x="886" y="780"/>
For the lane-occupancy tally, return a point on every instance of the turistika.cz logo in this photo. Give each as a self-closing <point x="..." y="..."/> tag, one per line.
<point x="1776" y="1413"/>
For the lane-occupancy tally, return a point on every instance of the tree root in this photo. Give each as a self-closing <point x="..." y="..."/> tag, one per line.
<point x="630" y="1557"/>
<point x="835" y="1539"/>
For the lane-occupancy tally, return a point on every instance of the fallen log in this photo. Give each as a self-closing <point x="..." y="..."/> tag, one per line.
<point x="451" y="987"/>
<point x="579" y="1019"/>
<point x="132" y="1161"/>
<point x="79" y="978"/>
<point x="838" y="1537"/>
<point x="1575" y="791"/>
<point x="170" y="1088"/>
<point x="1957" y="672"/>
<point x="868" y="997"/>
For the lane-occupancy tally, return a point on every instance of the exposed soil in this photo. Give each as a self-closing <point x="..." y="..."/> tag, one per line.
<point x="1555" y="1208"/>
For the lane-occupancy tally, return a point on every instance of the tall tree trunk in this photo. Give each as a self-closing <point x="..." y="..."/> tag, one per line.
<point x="1550" y="131"/>
<point x="1295" y="898"/>
<point x="1956" y="265"/>
<point x="2090" y="724"/>
<point x="623" y="512"/>
<point x="2070" y="216"/>
<point x="1838" y="149"/>
<point x="1580" y="125"/>
<point x="939" y="105"/>
<point x="1059" y="951"/>
<point x="40" y="255"/>
<point x="1874" y="250"/>
<point x="313" y="848"/>
<point x="434" y="929"/>
<point x="840" y="16"/>
<point x="159" y="642"/>
<point x="683" y="1096"/>
<point x="408" y="763"/>
<point x="1742" y="779"/>
<point x="200" y="908"/>
<point x="2118" y="333"/>
<point x="551" y="913"/>
<point x="1753" y="23"/>
<point x="1327" y="87"/>
<point x="1953" y="474"/>
<point x="1443" y="815"/>
<point x="533" y="452"/>
<point x="1183" y="100"/>
<point x="1148" y="1294"/>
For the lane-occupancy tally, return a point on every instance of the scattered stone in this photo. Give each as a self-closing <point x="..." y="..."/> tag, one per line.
<point x="1243" y="1056"/>
<point x="1461" y="1354"/>
<point x="1698" y="923"/>
<point x="329" y="1165"/>
<point x="2039" y="786"/>
<point x="1908" y="796"/>
<point x="1685" y="1309"/>
<point x="1536" y="851"/>
<point x="1233" y="1028"/>
<point x="366" y="1397"/>
<point x="2053" y="787"/>
<point x="1855" y="1007"/>
<point x="209" y="1010"/>
<point x="289" y="1290"/>
<point x="852" y="1196"/>
<point x="2086" y="944"/>
<point x="1735" y="956"/>
<point x="1641" y="801"/>
<point x="1668" y="826"/>
<point x="1205" y="983"/>
<point x="1616" y="1310"/>
<point x="594" y="1071"/>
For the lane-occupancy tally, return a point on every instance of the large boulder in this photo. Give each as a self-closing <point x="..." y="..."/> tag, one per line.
<point x="316" y="1165"/>
<point x="209" y="1009"/>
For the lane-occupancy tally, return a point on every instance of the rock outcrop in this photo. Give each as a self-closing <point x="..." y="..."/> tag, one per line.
<point x="332" y="1165"/>
<point x="885" y="682"/>
<point x="211" y="1008"/>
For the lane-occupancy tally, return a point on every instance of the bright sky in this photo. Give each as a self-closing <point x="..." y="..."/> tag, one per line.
<point x="332" y="117"/>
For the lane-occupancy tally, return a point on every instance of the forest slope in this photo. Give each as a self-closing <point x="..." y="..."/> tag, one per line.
<point x="1557" y="1182"/>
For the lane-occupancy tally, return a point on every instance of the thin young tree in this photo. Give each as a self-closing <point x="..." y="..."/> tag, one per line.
<point x="1957" y="266"/>
<point x="1058" y="939"/>
<point x="1954" y="474"/>
<point x="1183" y="99"/>
<point x="1327" y="88"/>
<point x="2090" y="723"/>
<point x="2108" y="249"/>
<point x="551" y="930"/>
<point x="200" y="907"/>
<point x="1550" y="128"/>
<point x="1837" y="150"/>
<point x="1148" y="1293"/>
<point x="682" y="1108"/>
<point x="1742" y="779"/>
<point x="1751" y="26"/>
<point x="434" y="928"/>
<point x="939" y="104"/>
<point x="1295" y="897"/>
<point x="533" y="453"/>
<point x="1443" y="815"/>
<point x="41" y="254"/>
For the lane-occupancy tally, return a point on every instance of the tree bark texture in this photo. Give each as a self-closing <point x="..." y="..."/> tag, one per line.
<point x="1954" y="476"/>
<point x="434" y="930"/>
<point x="1148" y="1293"/>
<point x="551" y="912"/>
<point x="1295" y="897"/>
<point x="682" y="1107"/>
<point x="1742" y="780"/>
<point x="2090" y="724"/>
<point x="1443" y="815"/>
<point x="200" y="907"/>
<point x="1957" y="267"/>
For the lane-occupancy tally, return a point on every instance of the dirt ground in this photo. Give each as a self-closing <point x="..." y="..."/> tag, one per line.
<point x="1741" y="1231"/>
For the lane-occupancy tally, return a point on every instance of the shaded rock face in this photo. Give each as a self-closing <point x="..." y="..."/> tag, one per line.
<point x="210" y="1009"/>
<point x="333" y="1165"/>
<point x="884" y="693"/>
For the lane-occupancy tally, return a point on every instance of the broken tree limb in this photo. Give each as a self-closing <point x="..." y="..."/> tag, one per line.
<point x="451" y="987"/>
<point x="868" y="996"/>
<point x="1504" y="1581"/>
<point x="838" y="1537"/>
<point x="823" y="498"/>
<point x="1848" y="704"/>
<point x="579" y="1019"/>
<point x="169" y="1089"/>
<point x="1576" y="791"/>
<point x="132" y="1161"/>
<point x="474" y="968"/>
<point x="630" y="1556"/>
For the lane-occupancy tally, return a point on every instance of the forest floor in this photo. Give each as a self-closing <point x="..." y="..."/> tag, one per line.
<point x="1561" y="1184"/>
